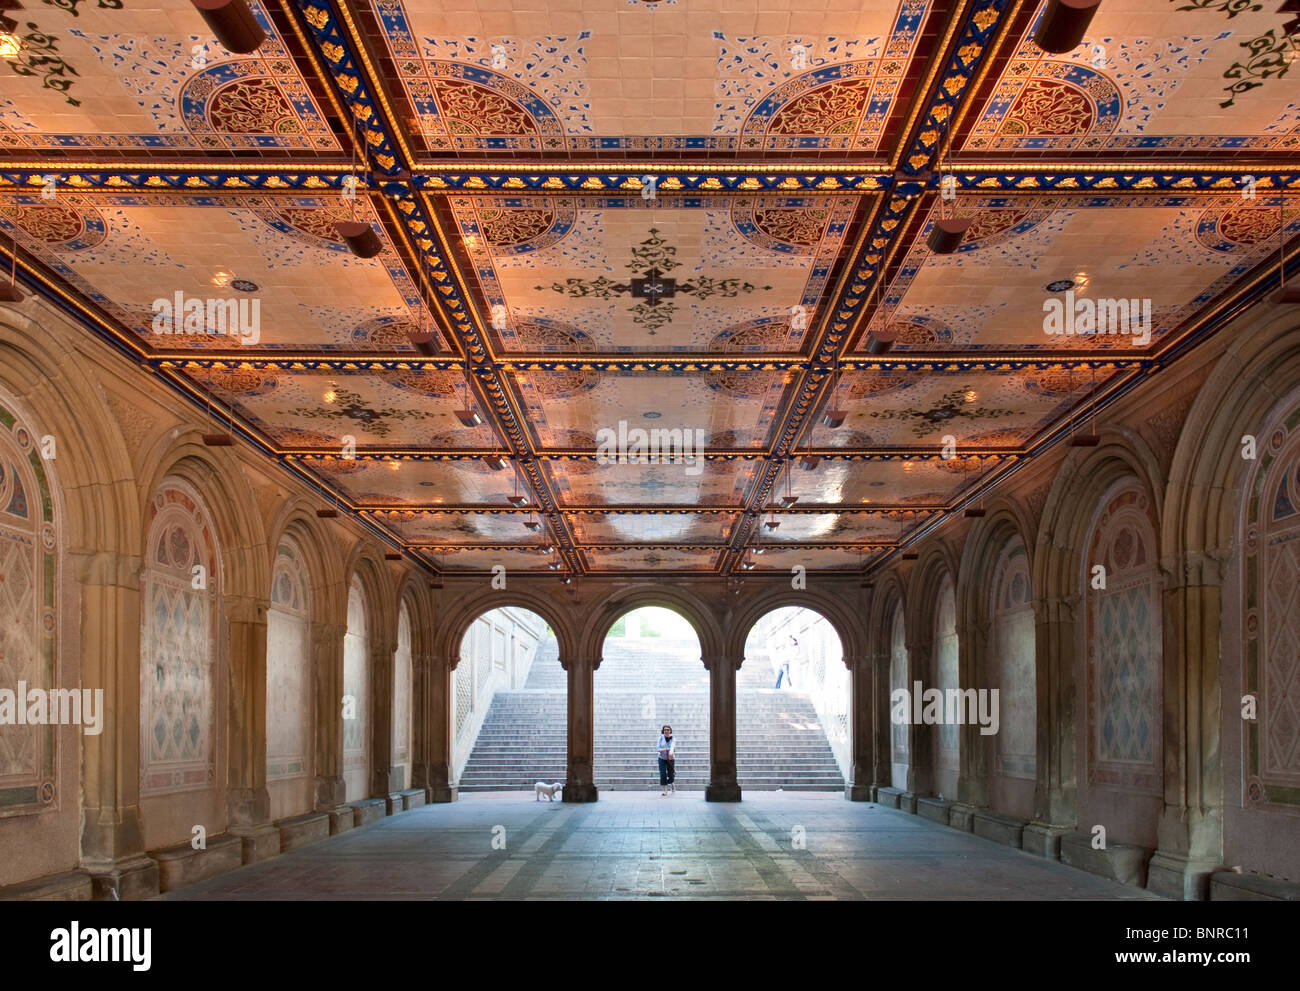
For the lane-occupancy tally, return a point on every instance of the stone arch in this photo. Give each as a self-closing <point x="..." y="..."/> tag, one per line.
<point x="836" y="611"/>
<point x="1060" y="546"/>
<point x="365" y="561"/>
<point x="215" y="475"/>
<point x="936" y="566"/>
<point x="1083" y="478"/>
<point x="412" y="589"/>
<point x="605" y="613"/>
<point x="40" y="806"/>
<point x="185" y="704"/>
<point x="324" y="567"/>
<point x="458" y="615"/>
<point x="101" y="511"/>
<point x="936" y="561"/>
<point x="1204" y="525"/>
<point x="999" y="771"/>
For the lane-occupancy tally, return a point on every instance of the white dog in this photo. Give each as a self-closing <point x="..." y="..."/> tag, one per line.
<point x="550" y="791"/>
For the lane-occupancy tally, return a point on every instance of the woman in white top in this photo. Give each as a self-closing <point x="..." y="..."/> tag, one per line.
<point x="667" y="749"/>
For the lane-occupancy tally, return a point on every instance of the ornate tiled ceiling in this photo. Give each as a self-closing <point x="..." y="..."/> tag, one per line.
<point x="600" y="217"/>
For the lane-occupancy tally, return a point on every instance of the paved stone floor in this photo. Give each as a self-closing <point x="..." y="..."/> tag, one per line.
<point x="641" y="845"/>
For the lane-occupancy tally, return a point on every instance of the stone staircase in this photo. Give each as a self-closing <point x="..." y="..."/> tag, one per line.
<point x="640" y="685"/>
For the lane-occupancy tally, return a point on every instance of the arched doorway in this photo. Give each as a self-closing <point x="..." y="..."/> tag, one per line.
<point x="509" y="704"/>
<point x="793" y="705"/>
<point x="651" y="673"/>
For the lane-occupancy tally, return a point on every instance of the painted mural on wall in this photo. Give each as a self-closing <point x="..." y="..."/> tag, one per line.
<point x="178" y="651"/>
<point x="28" y="757"/>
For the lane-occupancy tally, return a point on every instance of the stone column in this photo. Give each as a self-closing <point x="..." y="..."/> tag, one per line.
<point x="882" y="727"/>
<point x="1190" y="833"/>
<point x="439" y="698"/>
<point x="420" y="673"/>
<point x="248" y="803"/>
<point x="580" y="785"/>
<point x="327" y="684"/>
<point x="922" y="740"/>
<point x="722" y="786"/>
<point x="973" y="768"/>
<point x="383" y="776"/>
<point x="1057" y="695"/>
<point x="112" y="837"/>
<point x="862" y="722"/>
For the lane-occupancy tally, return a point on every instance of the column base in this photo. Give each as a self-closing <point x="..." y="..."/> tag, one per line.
<point x="1176" y="876"/>
<point x="579" y="793"/>
<point x="962" y="816"/>
<point x="1042" y="839"/>
<point x="127" y="880"/>
<point x="722" y="793"/>
<point x="443" y="793"/>
<point x="259" y="842"/>
<point x="860" y="793"/>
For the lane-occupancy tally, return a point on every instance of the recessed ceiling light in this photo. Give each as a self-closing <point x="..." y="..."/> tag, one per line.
<point x="427" y="484"/>
<point x="1059" y="285"/>
<point x="394" y="465"/>
<point x="244" y="285"/>
<point x="652" y="415"/>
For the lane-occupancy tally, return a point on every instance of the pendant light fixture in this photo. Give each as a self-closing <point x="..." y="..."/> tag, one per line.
<point x="233" y="23"/>
<point x="1063" y="24"/>
<point x="947" y="232"/>
<point x="9" y="291"/>
<point x="358" y="235"/>
<point x="1286" y="295"/>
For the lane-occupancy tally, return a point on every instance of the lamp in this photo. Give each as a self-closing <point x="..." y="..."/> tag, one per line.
<point x="360" y="238"/>
<point x="880" y="341"/>
<point x="1063" y="23"/>
<point x="233" y="23"/>
<point x="946" y="234"/>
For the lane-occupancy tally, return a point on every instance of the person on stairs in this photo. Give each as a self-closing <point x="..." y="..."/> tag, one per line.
<point x="789" y="652"/>
<point x="667" y="748"/>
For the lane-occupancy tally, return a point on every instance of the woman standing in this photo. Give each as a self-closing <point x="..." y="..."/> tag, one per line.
<point x="667" y="747"/>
